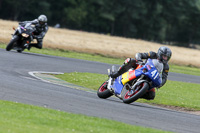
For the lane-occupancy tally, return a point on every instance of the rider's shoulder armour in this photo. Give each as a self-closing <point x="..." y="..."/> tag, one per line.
<point x="152" y="55"/>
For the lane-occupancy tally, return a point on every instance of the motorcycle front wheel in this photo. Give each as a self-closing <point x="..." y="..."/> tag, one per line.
<point x="103" y="91"/>
<point x="132" y="95"/>
<point x="11" y="43"/>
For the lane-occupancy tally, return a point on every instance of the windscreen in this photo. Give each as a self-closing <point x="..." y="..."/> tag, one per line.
<point x="158" y="65"/>
<point x="27" y="25"/>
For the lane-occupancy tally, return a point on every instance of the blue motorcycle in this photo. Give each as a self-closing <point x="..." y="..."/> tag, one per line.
<point x="134" y="83"/>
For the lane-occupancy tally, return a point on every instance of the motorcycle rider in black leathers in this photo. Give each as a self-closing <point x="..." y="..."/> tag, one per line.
<point x="163" y="55"/>
<point x="41" y="29"/>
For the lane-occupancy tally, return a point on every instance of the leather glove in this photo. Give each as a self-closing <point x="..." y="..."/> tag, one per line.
<point x="140" y="62"/>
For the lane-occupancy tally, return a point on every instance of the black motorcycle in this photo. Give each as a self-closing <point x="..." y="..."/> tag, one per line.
<point x="21" y="38"/>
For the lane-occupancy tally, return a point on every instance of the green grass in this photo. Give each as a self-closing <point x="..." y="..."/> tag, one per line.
<point x="101" y="58"/>
<point x="71" y="54"/>
<point x="185" y="70"/>
<point x="21" y="118"/>
<point x="186" y="95"/>
<point x="173" y="93"/>
<point x="88" y="80"/>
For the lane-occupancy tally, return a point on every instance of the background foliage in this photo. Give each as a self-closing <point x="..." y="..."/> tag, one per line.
<point x="174" y="22"/>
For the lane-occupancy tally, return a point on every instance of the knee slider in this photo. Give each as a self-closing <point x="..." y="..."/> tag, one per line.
<point x="127" y="61"/>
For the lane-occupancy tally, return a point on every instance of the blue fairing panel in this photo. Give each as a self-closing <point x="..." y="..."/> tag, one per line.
<point x="118" y="86"/>
<point x="138" y="72"/>
<point x="153" y="74"/>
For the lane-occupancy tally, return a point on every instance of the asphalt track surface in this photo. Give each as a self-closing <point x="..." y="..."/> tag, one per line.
<point x="17" y="85"/>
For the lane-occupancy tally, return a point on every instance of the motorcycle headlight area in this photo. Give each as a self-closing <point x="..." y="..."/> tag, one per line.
<point x="25" y="35"/>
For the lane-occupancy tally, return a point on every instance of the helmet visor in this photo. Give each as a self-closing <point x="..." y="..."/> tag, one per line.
<point x="42" y="23"/>
<point x="165" y="57"/>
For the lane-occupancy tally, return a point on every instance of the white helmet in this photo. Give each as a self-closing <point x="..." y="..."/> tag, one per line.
<point x="42" y="19"/>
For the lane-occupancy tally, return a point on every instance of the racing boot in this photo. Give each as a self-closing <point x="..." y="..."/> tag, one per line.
<point x="121" y="70"/>
<point x="29" y="46"/>
<point x="128" y="63"/>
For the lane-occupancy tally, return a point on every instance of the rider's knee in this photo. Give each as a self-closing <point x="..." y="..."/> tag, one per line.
<point x="150" y="95"/>
<point x="39" y="45"/>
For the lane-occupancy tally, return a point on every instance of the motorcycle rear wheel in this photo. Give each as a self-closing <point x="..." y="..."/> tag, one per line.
<point x="19" y="51"/>
<point x="11" y="43"/>
<point x="103" y="92"/>
<point x="129" y="98"/>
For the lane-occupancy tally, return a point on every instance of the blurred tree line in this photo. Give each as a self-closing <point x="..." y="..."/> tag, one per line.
<point x="174" y="22"/>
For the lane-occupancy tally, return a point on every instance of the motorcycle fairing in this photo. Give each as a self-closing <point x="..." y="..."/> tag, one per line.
<point x="117" y="85"/>
<point x="123" y="79"/>
<point x="132" y="74"/>
<point x="152" y="73"/>
<point x="126" y="76"/>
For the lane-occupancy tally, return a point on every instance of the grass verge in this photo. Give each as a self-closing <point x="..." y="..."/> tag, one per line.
<point x="21" y="118"/>
<point x="185" y="70"/>
<point x="173" y="93"/>
<point x="101" y="58"/>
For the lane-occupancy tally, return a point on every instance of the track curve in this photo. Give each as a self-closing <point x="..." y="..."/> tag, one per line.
<point x="17" y="85"/>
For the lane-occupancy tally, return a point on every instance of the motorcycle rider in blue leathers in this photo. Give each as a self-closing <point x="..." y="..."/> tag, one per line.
<point x="41" y="29"/>
<point x="163" y="55"/>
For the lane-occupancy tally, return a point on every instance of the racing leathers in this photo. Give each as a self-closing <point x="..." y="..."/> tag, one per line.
<point x="153" y="55"/>
<point x="39" y="34"/>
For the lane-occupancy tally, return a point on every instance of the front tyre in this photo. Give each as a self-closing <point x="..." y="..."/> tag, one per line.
<point x="103" y="91"/>
<point x="11" y="43"/>
<point x="132" y="95"/>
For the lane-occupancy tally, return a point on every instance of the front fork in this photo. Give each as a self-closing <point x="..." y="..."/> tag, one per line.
<point x="110" y="82"/>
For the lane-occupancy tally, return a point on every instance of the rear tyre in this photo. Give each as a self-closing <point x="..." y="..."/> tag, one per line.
<point x="132" y="96"/>
<point x="103" y="91"/>
<point x="11" y="43"/>
<point x="19" y="51"/>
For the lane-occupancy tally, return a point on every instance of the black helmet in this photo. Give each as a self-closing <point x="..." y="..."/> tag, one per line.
<point x="42" y="19"/>
<point x="164" y="54"/>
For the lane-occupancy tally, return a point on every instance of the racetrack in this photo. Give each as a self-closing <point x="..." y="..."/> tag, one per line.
<point x="17" y="85"/>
